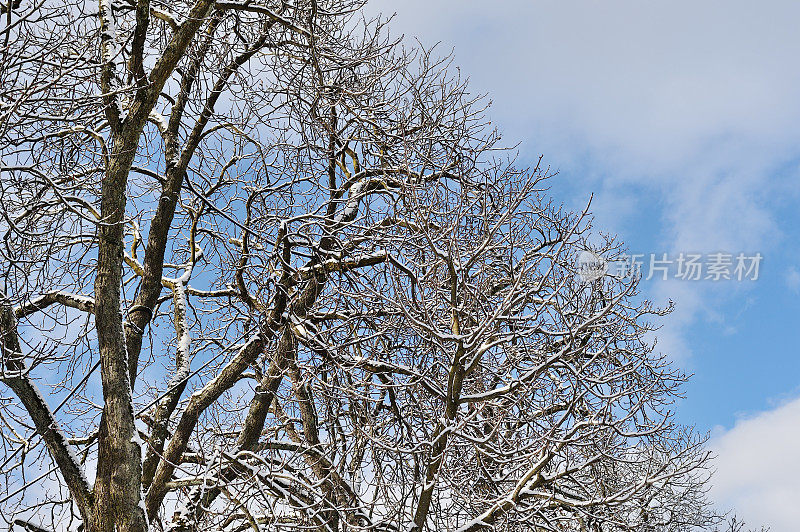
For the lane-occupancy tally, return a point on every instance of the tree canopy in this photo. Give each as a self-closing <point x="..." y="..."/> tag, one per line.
<point x="265" y="267"/>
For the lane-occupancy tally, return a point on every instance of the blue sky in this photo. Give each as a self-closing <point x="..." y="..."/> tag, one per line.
<point x="683" y="119"/>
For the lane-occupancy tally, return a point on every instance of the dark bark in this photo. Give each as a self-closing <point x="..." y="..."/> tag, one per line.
<point x="118" y="483"/>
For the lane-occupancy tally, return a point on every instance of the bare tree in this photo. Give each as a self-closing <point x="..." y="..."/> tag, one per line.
<point x="735" y="524"/>
<point x="264" y="268"/>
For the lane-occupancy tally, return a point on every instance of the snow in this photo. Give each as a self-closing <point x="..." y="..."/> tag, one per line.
<point x="137" y="440"/>
<point x="109" y="32"/>
<point x="159" y="120"/>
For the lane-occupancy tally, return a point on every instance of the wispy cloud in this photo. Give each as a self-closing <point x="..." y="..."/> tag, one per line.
<point x="681" y="110"/>
<point x="793" y="279"/>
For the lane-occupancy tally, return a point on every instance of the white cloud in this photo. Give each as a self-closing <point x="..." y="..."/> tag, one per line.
<point x="682" y="109"/>
<point x="793" y="279"/>
<point x="692" y="100"/>
<point x="758" y="468"/>
<point x="689" y="306"/>
<point x="659" y="79"/>
<point x="685" y="109"/>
